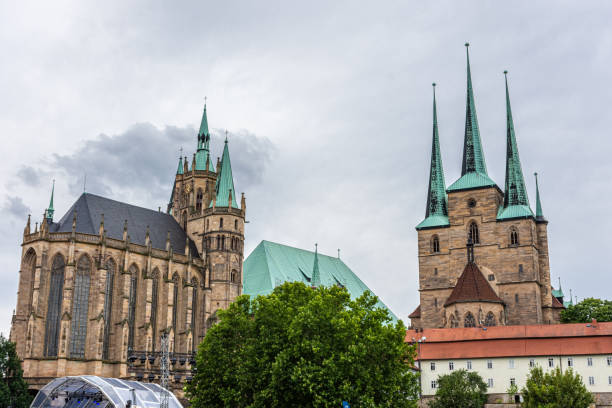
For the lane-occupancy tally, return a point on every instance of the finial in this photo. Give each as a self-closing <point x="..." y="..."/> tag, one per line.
<point x="85" y="182"/>
<point x="506" y="72"/>
<point x="559" y="282"/>
<point x="205" y="98"/>
<point x="181" y="152"/>
<point x="467" y="44"/>
<point x="338" y="253"/>
<point x="225" y="135"/>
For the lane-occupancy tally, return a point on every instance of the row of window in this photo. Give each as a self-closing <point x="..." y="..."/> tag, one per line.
<point x="221" y="224"/>
<point x="532" y="363"/>
<point x="490" y="382"/>
<point x="474" y="236"/>
<point x="80" y="305"/>
<point x="235" y="243"/>
<point x="470" y="321"/>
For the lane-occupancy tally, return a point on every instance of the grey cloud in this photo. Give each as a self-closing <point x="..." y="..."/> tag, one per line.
<point x="15" y="207"/>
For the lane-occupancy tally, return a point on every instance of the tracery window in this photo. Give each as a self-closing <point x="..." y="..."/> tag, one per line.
<point x="154" y="295"/>
<point x="54" y="306"/>
<point x="469" y="320"/>
<point x="514" y="238"/>
<point x="199" y="197"/>
<point x="473" y="233"/>
<point x="132" y="305"/>
<point x="435" y="244"/>
<point x="194" y="313"/>
<point x="108" y="306"/>
<point x="80" y="307"/>
<point x="490" y="320"/>
<point x="29" y="271"/>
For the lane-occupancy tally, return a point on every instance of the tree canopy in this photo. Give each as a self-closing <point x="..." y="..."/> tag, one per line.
<point x="460" y="389"/>
<point x="13" y="388"/>
<point x="588" y="309"/>
<point x="304" y="347"/>
<point x="555" y="389"/>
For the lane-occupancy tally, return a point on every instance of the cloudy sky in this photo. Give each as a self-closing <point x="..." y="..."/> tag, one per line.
<point x="328" y="107"/>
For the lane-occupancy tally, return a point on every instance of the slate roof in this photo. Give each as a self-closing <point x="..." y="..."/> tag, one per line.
<point x="472" y="287"/>
<point x="89" y="208"/>
<point x="271" y="264"/>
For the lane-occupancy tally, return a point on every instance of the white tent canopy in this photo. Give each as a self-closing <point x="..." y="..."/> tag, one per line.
<point x="88" y="391"/>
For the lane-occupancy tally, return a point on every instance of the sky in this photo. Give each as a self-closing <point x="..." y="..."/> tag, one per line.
<point x="328" y="108"/>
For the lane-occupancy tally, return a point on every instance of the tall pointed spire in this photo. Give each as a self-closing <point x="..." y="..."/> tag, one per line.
<point x="516" y="202"/>
<point x="224" y="187"/>
<point x="539" y="212"/>
<point x="473" y="167"/>
<point x="49" y="211"/>
<point x="203" y="144"/>
<point x="315" y="282"/>
<point x="436" y="211"/>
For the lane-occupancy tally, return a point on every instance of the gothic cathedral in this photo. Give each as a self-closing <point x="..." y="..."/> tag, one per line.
<point x="483" y="253"/>
<point x="99" y="287"/>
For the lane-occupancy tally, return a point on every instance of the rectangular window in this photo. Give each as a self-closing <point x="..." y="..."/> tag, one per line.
<point x="512" y="382"/>
<point x="609" y="361"/>
<point x="489" y="363"/>
<point x="531" y="362"/>
<point x="511" y="363"/>
<point x="551" y="362"/>
<point x="469" y="364"/>
<point x="490" y="383"/>
<point x="451" y="365"/>
<point x="516" y="298"/>
<point x="591" y="380"/>
<point x="570" y="362"/>
<point x="433" y="366"/>
<point x="610" y="380"/>
<point x="434" y="384"/>
<point x="590" y="361"/>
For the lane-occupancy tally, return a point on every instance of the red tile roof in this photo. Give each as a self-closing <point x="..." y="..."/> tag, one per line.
<point x="416" y="314"/>
<point x="517" y="341"/>
<point x="556" y="304"/>
<point x="472" y="287"/>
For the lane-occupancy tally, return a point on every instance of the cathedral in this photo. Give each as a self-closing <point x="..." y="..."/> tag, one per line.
<point x="99" y="287"/>
<point x="483" y="253"/>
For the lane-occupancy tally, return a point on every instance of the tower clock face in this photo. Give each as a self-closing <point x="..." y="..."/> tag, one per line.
<point x="188" y="188"/>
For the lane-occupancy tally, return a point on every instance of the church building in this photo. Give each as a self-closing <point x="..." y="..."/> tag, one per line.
<point x="483" y="253"/>
<point x="99" y="286"/>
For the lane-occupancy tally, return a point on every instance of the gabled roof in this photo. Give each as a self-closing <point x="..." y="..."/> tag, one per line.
<point x="416" y="314"/>
<point x="90" y="207"/>
<point x="472" y="287"/>
<point x="556" y="304"/>
<point x="271" y="264"/>
<point x="436" y="211"/>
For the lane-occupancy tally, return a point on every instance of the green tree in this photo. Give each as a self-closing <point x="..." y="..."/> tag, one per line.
<point x="304" y="347"/>
<point x="460" y="389"/>
<point x="13" y="388"/>
<point x="588" y="309"/>
<point x="555" y="389"/>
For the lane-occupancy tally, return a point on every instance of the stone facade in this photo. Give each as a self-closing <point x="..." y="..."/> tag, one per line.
<point x="517" y="271"/>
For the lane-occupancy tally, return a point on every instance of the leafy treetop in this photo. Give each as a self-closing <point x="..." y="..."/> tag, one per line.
<point x="587" y="310"/>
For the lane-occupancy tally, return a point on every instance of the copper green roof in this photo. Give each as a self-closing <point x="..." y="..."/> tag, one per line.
<point x="271" y="264"/>
<point x="539" y="212"/>
<point x="473" y="168"/>
<point x="50" y="210"/>
<point x="516" y="202"/>
<point x="225" y="182"/>
<point x="203" y="152"/>
<point x="180" y="169"/>
<point x="436" y="211"/>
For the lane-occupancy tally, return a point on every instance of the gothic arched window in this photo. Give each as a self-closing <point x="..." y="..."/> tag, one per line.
<point x="221" y="223"/>
<point x="234" y="276"/>
<point x="469" y="320"/>
<point x="194" y="313"/>
<point x="54" y="306"/>
<point x="236" y="225"/>
<point x="108" y="306"/>
<point x="490" y="320"/>
<point x="435" y="244"/>
<point x="80" y="307"/>
<point x="154" y="295"/>
<point x="132" y="305"/>
<point x="514" y="238"/>
<point x="199" y="197"/>
<point x="473" y="233"/>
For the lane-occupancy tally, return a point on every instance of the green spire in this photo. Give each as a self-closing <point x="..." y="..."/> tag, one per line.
<point x="315" y="282"/>
<point x="473" y="168"/>
<point x="436" y="212"/>
<point x="203" y="145"/>
<point x="516" y="202"/>
<point x="539" y="212"/>
<point x="225" y="181"/>
<point x="180" y="169"/>
<point x="49" y="212"/>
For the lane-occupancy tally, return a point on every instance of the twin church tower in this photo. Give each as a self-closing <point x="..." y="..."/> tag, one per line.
<point x="483" y="253"/>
